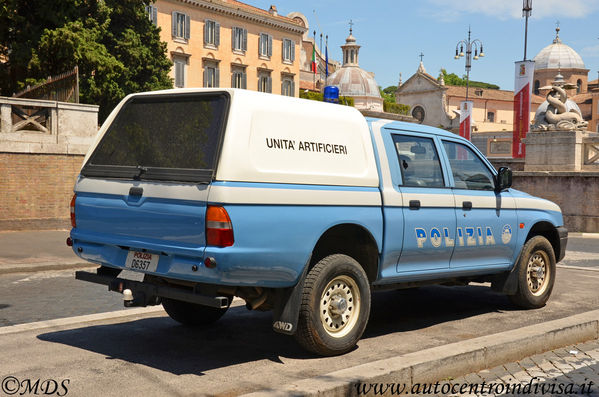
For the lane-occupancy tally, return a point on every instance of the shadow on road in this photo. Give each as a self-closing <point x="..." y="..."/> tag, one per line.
<point x="242" y="336"/>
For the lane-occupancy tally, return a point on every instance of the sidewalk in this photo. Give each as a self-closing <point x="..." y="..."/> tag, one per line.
<point x="26" y="251"/>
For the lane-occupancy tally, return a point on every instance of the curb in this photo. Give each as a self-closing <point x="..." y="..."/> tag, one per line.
<point x="452" y="360"/>
<point x="583" y="234"/>
<point x="43" y="266"/>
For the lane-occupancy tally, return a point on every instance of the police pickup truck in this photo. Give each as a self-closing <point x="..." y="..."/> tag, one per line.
<point x="299" y="207"/>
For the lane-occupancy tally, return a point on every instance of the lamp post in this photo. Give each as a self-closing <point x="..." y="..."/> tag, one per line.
<point x="475" y="44"/>
<point x="526" y="12"/>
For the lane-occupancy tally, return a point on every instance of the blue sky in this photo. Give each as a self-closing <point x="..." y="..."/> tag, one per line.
<point x="394" y="32"/>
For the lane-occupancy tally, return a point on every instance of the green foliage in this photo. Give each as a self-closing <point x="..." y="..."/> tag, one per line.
<point x="319" y="96"/>
<point x="398" y="108"/>
<point x="117" y="49"/>
<point x="454" y="79"/>
<point x="388" y="93"/>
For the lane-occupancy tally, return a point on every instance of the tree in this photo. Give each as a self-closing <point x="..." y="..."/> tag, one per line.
<point x="117" y="49"/>
<point x="454" y="79"/>
<point x="388" y="93"/>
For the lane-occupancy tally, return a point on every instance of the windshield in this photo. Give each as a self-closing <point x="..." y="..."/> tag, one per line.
<point x="172" y="137"/>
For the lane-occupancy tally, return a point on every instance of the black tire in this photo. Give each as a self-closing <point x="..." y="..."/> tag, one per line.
<point x="536" y="274"/>
<point x="334" y="287"/>
<point x="192" y="314"/>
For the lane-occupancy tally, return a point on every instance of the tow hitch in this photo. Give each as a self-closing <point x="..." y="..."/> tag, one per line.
<point x="143" y="293"/>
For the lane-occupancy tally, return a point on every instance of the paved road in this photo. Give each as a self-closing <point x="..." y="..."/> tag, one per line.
<point x="573" y="370"/>
<point x="150" y="354"/>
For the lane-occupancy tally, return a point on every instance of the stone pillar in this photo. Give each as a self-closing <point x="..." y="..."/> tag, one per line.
<point x="554" y="151"/>
<point x="5" y="118"/>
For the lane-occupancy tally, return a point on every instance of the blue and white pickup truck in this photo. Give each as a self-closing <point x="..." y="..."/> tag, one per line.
<point x="299" y="207"/>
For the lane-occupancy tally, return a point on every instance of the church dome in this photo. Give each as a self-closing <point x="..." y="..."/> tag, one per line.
<point x="558" y="56"/>
<point x="354" y="81"/>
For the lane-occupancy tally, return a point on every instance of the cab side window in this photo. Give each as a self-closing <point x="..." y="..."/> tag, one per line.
<point x="418" y="161"/>
<point x="469" y="171"/>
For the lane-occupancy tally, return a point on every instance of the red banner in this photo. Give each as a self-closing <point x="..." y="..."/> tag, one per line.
<point x="522" y="97"/>
<point x="465" y="119"/>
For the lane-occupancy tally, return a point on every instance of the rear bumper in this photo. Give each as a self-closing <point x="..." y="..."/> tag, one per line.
<point x="563" y="242"/>
<point x="146" y="294"/>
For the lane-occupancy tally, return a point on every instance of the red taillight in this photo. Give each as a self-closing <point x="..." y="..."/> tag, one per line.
<point x="73" y="222"/>
<point x="219" y="230"/>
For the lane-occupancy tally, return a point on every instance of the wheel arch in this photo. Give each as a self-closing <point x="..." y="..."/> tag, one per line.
<point x="547" y="230"/>
<point x="350" y="239"/>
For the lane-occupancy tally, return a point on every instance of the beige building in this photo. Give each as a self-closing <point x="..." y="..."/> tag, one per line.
<point x="226" y="43"/>
<point x="434" y="103"/>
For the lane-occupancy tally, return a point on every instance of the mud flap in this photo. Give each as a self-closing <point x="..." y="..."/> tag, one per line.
<point x="286" y="311"/>
<point x="507" y="283"/>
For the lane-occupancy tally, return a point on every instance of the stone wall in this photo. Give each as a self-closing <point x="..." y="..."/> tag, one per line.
<point x="37" y="190"/>
<point x="574" y="192"/>
<point x="42" y="146"/>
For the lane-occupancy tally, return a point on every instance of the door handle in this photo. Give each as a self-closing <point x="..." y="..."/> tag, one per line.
<point x="136" y="191"/>
<point x="414" y="204"/>
<point x="466" y="205"/>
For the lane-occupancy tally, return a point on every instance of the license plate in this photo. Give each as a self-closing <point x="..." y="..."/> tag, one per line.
<point x="142" y="261"/>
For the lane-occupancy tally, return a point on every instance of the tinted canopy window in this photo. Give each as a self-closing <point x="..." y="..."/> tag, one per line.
<point x="162" y="137"/>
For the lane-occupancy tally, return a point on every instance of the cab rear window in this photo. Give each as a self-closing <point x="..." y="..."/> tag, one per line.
<point x="163" y="137"/>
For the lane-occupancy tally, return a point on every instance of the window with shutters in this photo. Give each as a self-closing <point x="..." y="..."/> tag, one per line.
<point x="240" y="38"/>
<point x="264" y="81"/>
<point x="287" y="85"/>
<point x="288" y="50"/>
<point x="211" y="74"/>
<point x="265" y="45"/>
<point x="238" y="77"/>
<point x="152" y="12"/>
<point x="180" y="25"/>
<point x="180" y="64"/>
<point x="211" y="33"/>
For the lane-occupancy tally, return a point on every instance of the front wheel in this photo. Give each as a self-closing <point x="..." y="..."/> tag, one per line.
<point x="536" y="274"/>
<point x="335" y="306"/>
<point x="191" y="313"/>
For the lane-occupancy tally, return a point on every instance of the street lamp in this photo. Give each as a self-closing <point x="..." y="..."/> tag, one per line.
<point x="475" y="44"/>
<point x="526" y="12"/>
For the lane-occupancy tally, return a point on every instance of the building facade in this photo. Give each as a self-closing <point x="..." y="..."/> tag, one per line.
<point x="226" y="43"/>
<point x="434" y="103"/>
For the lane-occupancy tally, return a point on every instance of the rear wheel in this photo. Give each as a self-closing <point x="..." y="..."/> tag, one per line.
<point x="335" y="306"/>
<point x="191" y="313"/>
<point x="536" y="274"/>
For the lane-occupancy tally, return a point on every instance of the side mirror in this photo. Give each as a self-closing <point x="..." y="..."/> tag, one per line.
<point x="503" y="179"/>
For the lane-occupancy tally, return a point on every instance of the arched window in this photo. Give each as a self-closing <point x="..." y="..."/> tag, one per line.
<point x="537" y="85"/>
<point x="352" y="57"/>
<point x="418" y="113"/>
<point x="578" y="86"/>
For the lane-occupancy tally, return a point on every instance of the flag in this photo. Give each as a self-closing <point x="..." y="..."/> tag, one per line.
<point x="326" y="61"/>
<point x="314" y="58"/>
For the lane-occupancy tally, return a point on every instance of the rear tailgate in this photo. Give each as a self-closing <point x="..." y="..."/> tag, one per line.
<point x="144" y="186"/>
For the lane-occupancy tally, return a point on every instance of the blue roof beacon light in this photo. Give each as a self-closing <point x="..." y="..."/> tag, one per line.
<point x="331" y="94"/>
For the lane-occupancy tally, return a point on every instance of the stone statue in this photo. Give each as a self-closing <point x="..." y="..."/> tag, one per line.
<point x="558" y="113"/>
